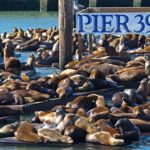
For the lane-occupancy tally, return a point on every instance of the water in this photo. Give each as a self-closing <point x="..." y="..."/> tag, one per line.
<point x="24" y="20"/>
<point x="46" y="20"/>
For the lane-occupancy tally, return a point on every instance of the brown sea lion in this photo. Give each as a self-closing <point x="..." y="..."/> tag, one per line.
<point x="68" y="121"/>
<point x="53" y="136"/>
<point x="129" y="76"/>
<point x="8" y="130"/>
<point x="86" y="102"/>
<point x="37" y="96"/>
<point x="65" y="88"/>
<point x="147" y="64"/>
<point x="26" y="132"/>
<point x="13" y="65"/>
<point x="6" y="98"/>
<point x="104" y="138"/>
<point x="31" y="61"/>
<point x="85" y="125"/>
<point x="104" y="126"/>
<point x="87" y="86"/>
<point x="82" y="113"/>
<point x="97" y="110"/>
<point x="117" y="99"/>
<point x="44" y="117"/>
<point x="132" y="40"/>
<point x="103" y="115"/>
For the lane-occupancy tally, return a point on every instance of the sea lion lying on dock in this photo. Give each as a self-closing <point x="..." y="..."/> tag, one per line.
<point x="53" y="136"/>
<point x="8" y="130"/>
<point x="104" y="138"/>
<point x="26" y="132"/>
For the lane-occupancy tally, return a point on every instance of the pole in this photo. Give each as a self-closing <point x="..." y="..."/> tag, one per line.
<point x="43" y="5"/>
<point x="90" y="43"/>
<point x="65" y="32"/>
<point x="92" y="3"/>
<point x="80" y="47"/>
<point x="136" y="3"/>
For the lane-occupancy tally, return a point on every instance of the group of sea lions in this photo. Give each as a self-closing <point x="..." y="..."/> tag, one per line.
<point x="116" y="60"/>
<point x="86" y="119"/>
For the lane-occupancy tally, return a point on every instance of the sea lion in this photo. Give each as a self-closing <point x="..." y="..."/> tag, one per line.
<point x="54" y="81"/>
<point x="25" y="77"/>
<point x="85" y="125"/>
<point x="104" y="138"/>
<point x="6" y="98"/>
<point x="26" y="132"/>
<point x="82" y="113"/>
<point x="31" y="61"/>
<point x="129" y="76"/>
<point x="75" y="133"/>
<point x="142" y="91"/>
<point x="8" y="130"/>
<point x="87" y="86"/>
<point x="44" y="117"/>
<point x="132" y="41"/>
<point x="78" y="80"/>
<point x="147" y="65"/>
<point x="103" y="115"/>
<point x="128" y="130"/>
<point x="85" y="102"/>
<point x="19" y="99"/>
<point x="37" y="96"/>
<point x="97" y="110"/>
<point x="68" y="121"/>
<point x="53" y="136"/>
<point x="65" y="88"/>
<point x="33" y="85"/>
<point x="105" y="126"/>
<point x="13" y="65"/>
<point x="117" y="99"/>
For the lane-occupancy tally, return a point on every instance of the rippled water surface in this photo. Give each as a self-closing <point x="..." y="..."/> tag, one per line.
<point x="46" y="20"/>
<point x="24" y="20"/>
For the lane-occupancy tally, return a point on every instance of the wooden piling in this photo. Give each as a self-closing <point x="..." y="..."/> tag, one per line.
<point x="90" y="43"/>
<point x="92" y="3"/>
<point x="65" y="32"/>
<point x="80" y="47"/>
<point x="43" y="5"/>
<point x="136" y="3"/>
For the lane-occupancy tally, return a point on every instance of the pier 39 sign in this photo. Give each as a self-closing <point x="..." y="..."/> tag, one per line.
<point x="113" y="22"/>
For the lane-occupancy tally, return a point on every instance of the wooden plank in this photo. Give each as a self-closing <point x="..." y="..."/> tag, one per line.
<point x="65" y="32"/>
<point x="12" y="141"/>
<point x="8" y="119"/>
<point x="116" y="9"/>
<point x="48" y="104"/>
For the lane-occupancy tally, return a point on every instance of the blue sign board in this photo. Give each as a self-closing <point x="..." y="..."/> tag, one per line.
<point x="113" y="23"/>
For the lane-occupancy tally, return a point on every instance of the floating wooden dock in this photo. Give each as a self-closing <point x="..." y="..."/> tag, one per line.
<point x="48" y="104"/>
<point x="12" y="141"/>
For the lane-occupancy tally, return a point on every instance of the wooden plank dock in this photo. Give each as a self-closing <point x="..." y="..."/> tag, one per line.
<point x="48" y="104"/>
